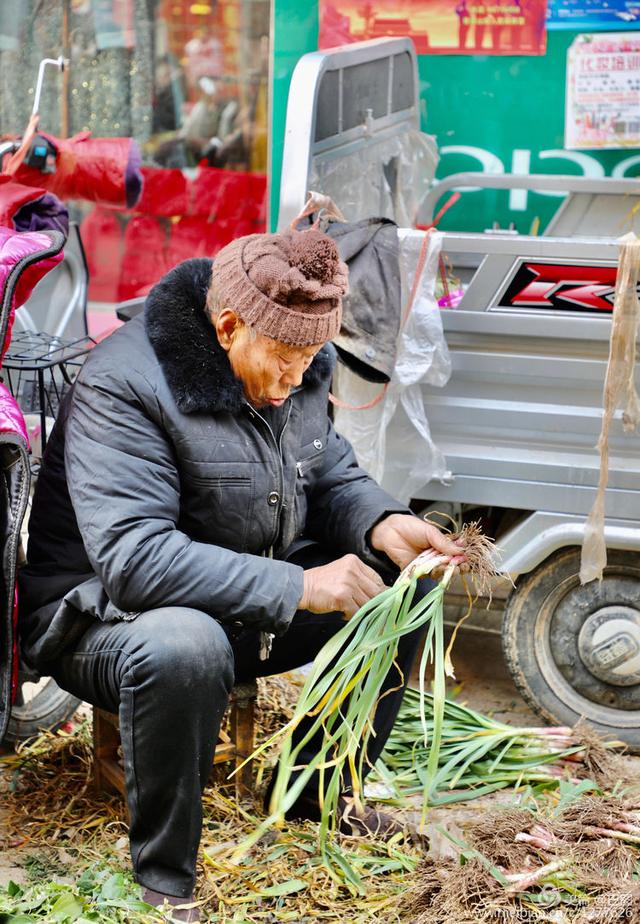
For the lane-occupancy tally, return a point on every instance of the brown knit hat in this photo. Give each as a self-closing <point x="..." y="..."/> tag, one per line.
<point x="286" y="286"/>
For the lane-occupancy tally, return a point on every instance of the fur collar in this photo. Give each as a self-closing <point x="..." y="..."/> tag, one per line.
<point x="195" y="366"/>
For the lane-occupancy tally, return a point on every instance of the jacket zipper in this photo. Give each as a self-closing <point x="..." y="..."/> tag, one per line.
<point x="303" y="466"/>
<point x="266" y="638"/>
<point x="278" y="444"/>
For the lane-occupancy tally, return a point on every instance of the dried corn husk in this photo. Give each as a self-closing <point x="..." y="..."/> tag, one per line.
<point x="619" y="389"/>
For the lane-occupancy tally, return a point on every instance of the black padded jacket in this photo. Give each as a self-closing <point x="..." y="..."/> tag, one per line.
<point x="162" y="486"/>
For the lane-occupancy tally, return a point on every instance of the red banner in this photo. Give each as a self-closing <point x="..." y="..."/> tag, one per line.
<point x="453" y="27"/>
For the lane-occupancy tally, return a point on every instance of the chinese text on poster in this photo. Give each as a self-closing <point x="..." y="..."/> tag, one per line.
<point x="470" y="27"/>
<point x="603" y="89"/>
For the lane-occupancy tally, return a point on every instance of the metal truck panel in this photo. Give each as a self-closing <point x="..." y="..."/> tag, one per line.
<point x="520" y="417"/>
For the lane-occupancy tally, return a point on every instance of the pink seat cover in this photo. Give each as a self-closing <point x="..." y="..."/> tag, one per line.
<point x="15" y="246"/>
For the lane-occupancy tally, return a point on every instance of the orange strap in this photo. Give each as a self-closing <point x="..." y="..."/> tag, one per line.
<point x="16" y="159"/>
<point x="445" y="208"/>
<point x="422" y="259"/>
<point x="359" y="407"/>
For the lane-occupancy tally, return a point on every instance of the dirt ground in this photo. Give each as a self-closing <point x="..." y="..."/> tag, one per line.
<point x="482" y="681"/>
<point x="10" y="859"/>
<point x="484" y="684"/>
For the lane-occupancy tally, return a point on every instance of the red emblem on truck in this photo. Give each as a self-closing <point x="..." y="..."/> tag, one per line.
<point x="561" y="287"/>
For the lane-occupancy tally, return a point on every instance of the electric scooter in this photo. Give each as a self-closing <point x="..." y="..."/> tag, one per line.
<point x="37" y="171"/>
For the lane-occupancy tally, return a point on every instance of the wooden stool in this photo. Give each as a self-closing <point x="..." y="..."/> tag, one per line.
<point x="237" y="745"/>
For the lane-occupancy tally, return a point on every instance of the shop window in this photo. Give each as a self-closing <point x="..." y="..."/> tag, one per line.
<point x="186" y="78"/>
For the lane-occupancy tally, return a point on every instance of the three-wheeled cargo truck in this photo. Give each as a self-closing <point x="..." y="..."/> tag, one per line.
<point x="519" y="417"/>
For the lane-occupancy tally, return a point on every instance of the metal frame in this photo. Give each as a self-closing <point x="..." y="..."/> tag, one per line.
<point x="300" y="148"/>
<point x="500" y="255"/>
<point x="527" y="545"/>
<point x="47" y="358"/>
<point x="560" y="183"/>
<point x="34" y="314"/>
<point x="60" y="62"/>
<point x="519" y="420"/>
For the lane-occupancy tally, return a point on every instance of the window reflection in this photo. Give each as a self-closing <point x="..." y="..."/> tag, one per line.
<point x="187" y="80"/>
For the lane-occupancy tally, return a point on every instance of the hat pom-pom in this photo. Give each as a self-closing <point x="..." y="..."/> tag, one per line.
<point x="315" y="255"/>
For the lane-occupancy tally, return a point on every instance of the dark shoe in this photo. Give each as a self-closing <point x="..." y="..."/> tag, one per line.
<point x="181" y="912"/>
<point x="367" y="822"/>
<point x="305" y="808"/>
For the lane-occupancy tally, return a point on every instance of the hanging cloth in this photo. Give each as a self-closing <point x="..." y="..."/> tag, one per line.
<point x="619" y="390"/>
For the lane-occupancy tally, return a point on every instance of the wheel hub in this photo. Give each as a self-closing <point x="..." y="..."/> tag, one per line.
<point x="609" y="645"/>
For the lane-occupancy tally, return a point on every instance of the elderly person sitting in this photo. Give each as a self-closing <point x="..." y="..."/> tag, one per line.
<point x="198" y="520"/>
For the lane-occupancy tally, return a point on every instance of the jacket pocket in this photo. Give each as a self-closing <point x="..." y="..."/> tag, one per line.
<point x="219" y="507"/>
<point x="221" y="480"/>
<point x="310" y="458"/>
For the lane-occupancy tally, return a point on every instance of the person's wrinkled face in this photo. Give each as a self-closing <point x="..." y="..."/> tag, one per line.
<point x="267" y="368"/>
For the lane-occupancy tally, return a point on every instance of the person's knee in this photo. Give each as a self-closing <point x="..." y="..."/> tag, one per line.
<point x="185" y="647"/>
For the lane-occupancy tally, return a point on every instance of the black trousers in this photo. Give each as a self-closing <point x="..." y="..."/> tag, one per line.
<point x="169" y="673"/>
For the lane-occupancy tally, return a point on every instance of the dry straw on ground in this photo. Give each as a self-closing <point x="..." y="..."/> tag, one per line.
<point x="577" y="864"/>
<point x="55" y="817"/>
<point x="58" y="821"/>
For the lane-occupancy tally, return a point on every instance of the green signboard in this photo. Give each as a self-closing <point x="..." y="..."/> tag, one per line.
<point x="489" y="114"/>
<point x="506" y="115"/>
<point x="295" y="33"/>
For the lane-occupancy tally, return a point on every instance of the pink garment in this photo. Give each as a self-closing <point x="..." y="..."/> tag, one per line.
<point x="15" y="247"/>
<point x="20" y="271"/>
<point x="11" y="419"/>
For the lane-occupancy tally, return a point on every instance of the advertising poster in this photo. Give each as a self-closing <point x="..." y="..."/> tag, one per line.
<point x="591" y="15"/>
<point x="445" y="27"/>
<point x="603" y="91"/>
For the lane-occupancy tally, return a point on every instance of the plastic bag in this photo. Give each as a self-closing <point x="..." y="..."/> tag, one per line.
<point x="392" y="439"/>
<point x="389" y="179"/>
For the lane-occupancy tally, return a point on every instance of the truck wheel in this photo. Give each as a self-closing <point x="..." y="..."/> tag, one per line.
<point x="39" y="706"/>
<point x="573" y="649"/>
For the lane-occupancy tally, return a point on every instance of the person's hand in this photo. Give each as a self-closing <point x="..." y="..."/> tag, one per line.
<point x="402" y="537"/>
<point x="341" y="586"/>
